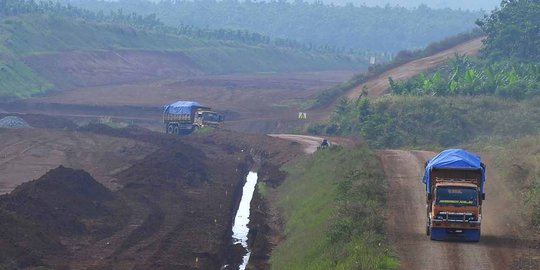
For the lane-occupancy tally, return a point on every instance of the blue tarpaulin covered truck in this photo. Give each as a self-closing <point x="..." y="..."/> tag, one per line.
<point x="454" y="182"/>
<point x="183" y="117"/>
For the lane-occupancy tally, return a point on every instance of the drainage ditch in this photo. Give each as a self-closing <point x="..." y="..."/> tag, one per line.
<point x="240" y="230"/>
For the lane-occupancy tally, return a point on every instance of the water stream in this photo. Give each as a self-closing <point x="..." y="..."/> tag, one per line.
<point x="240" y="229"/>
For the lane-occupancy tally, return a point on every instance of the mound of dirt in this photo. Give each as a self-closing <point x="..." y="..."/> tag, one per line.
<point x="24" y="244"/>
<point x="173" y="207"/>
<point x="63" y="202"/>
<point x="40" y="120"/>
<point x="13" y="122"/>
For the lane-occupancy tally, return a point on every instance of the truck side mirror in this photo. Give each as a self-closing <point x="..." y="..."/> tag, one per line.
<point x="483" y="196"/>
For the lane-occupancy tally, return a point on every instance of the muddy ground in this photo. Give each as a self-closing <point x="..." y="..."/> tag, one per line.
<point x="254" y="103"/>
<point x="170" y="200"/>
<point x="164" y="202"/>
<point x="167" y="202"/>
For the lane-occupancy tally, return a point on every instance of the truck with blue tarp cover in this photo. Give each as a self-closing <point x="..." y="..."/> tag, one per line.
<point x="184" y="117"/>
<point x="454" y="183"/>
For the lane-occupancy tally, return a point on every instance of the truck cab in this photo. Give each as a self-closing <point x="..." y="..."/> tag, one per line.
<point x="209" y="118"/>
<point x="455" y="208"/>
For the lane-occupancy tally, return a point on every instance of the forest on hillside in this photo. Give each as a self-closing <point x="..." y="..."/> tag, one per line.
<point x="148" y="22"/>
<point x="31" y="28"/>
<point x="455" y="4"/>
<point x="382" y="29"/>
<point x="509" y="64"/>
<point x="487" y="5"/>
<point x="494" y="95"/>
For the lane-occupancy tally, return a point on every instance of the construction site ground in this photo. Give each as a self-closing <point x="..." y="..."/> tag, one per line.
<point x="174" y="197"/>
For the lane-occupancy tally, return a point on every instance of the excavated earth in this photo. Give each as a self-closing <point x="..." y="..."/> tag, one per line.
<point x="128" y="198"/>
<point x="254" y="103"/>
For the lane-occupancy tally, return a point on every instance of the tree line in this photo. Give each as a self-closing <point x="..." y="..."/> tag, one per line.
<point x="381" y="29"/>
<point x="508" y="66"/>
<point x="151" y="22"/>
<point x="461" y="100"/>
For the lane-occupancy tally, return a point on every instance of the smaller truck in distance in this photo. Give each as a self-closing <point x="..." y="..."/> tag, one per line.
<point x="454" y="182"/>
<point x="184" y="117"/>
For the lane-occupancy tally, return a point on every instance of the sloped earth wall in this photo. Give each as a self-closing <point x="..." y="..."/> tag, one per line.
<point x="174" y="208"/>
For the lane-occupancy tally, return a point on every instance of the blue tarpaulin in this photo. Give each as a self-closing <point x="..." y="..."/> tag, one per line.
<point x="181" y="107"/>
<point x="454" y="158"/>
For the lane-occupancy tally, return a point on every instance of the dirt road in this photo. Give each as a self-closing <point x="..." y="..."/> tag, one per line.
<point x="310" y="143"/>
<point x="500" y="247"/>
<point x="379" y="85"/>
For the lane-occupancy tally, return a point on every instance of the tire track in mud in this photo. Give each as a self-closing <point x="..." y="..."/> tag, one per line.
<point x="500" y="245"/>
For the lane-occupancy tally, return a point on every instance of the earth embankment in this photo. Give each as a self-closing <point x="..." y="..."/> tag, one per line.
<point x="379" y="85"/>
<point x="72" y="69"/>
<point x="178" y="195"/>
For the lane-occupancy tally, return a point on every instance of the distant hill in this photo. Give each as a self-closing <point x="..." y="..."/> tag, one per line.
<point x="380" y="29"/>
<point x="44" y="48"/>
<point x="487" y="5"/>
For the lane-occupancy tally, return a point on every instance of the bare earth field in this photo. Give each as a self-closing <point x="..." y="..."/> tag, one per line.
<point x="28" y="154"/>
<point x="173" y="198"/>
<point x="501" y="246"/>
<point x="169" y="204"/>
<point x="258" y="103"/>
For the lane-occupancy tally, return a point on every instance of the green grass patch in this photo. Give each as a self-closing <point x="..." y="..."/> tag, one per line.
<point x="19" y="81"/>
<point x="333" y="205"/>
<point x="407" y="121"/>
<point x="519" y="161"/>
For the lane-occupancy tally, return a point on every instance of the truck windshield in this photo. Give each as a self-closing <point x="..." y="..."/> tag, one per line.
<point x="457" y="196"/>
<point x="211" y="116"/>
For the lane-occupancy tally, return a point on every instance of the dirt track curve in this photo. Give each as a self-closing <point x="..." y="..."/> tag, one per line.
<point x="500" y="246"/>
<point x="310" y="143"/>
<point x="379" y="85"/>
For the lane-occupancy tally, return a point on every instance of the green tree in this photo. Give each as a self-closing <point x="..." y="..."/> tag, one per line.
<point x="513" y="30"/>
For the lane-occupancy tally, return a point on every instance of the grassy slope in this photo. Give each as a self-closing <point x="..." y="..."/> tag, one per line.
<point x="399" y="121"/>
<point x="333" y="206"/>
<point x="29" y="35"/>
<point x="519" y="161"/>
<point x="18" y="80"/>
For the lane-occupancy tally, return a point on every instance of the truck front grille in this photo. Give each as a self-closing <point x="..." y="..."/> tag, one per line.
<point x="456" y="217"/>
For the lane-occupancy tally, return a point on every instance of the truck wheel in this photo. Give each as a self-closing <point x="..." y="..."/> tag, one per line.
<point x="170" y="129"/>
<point x="176" y="131"/>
